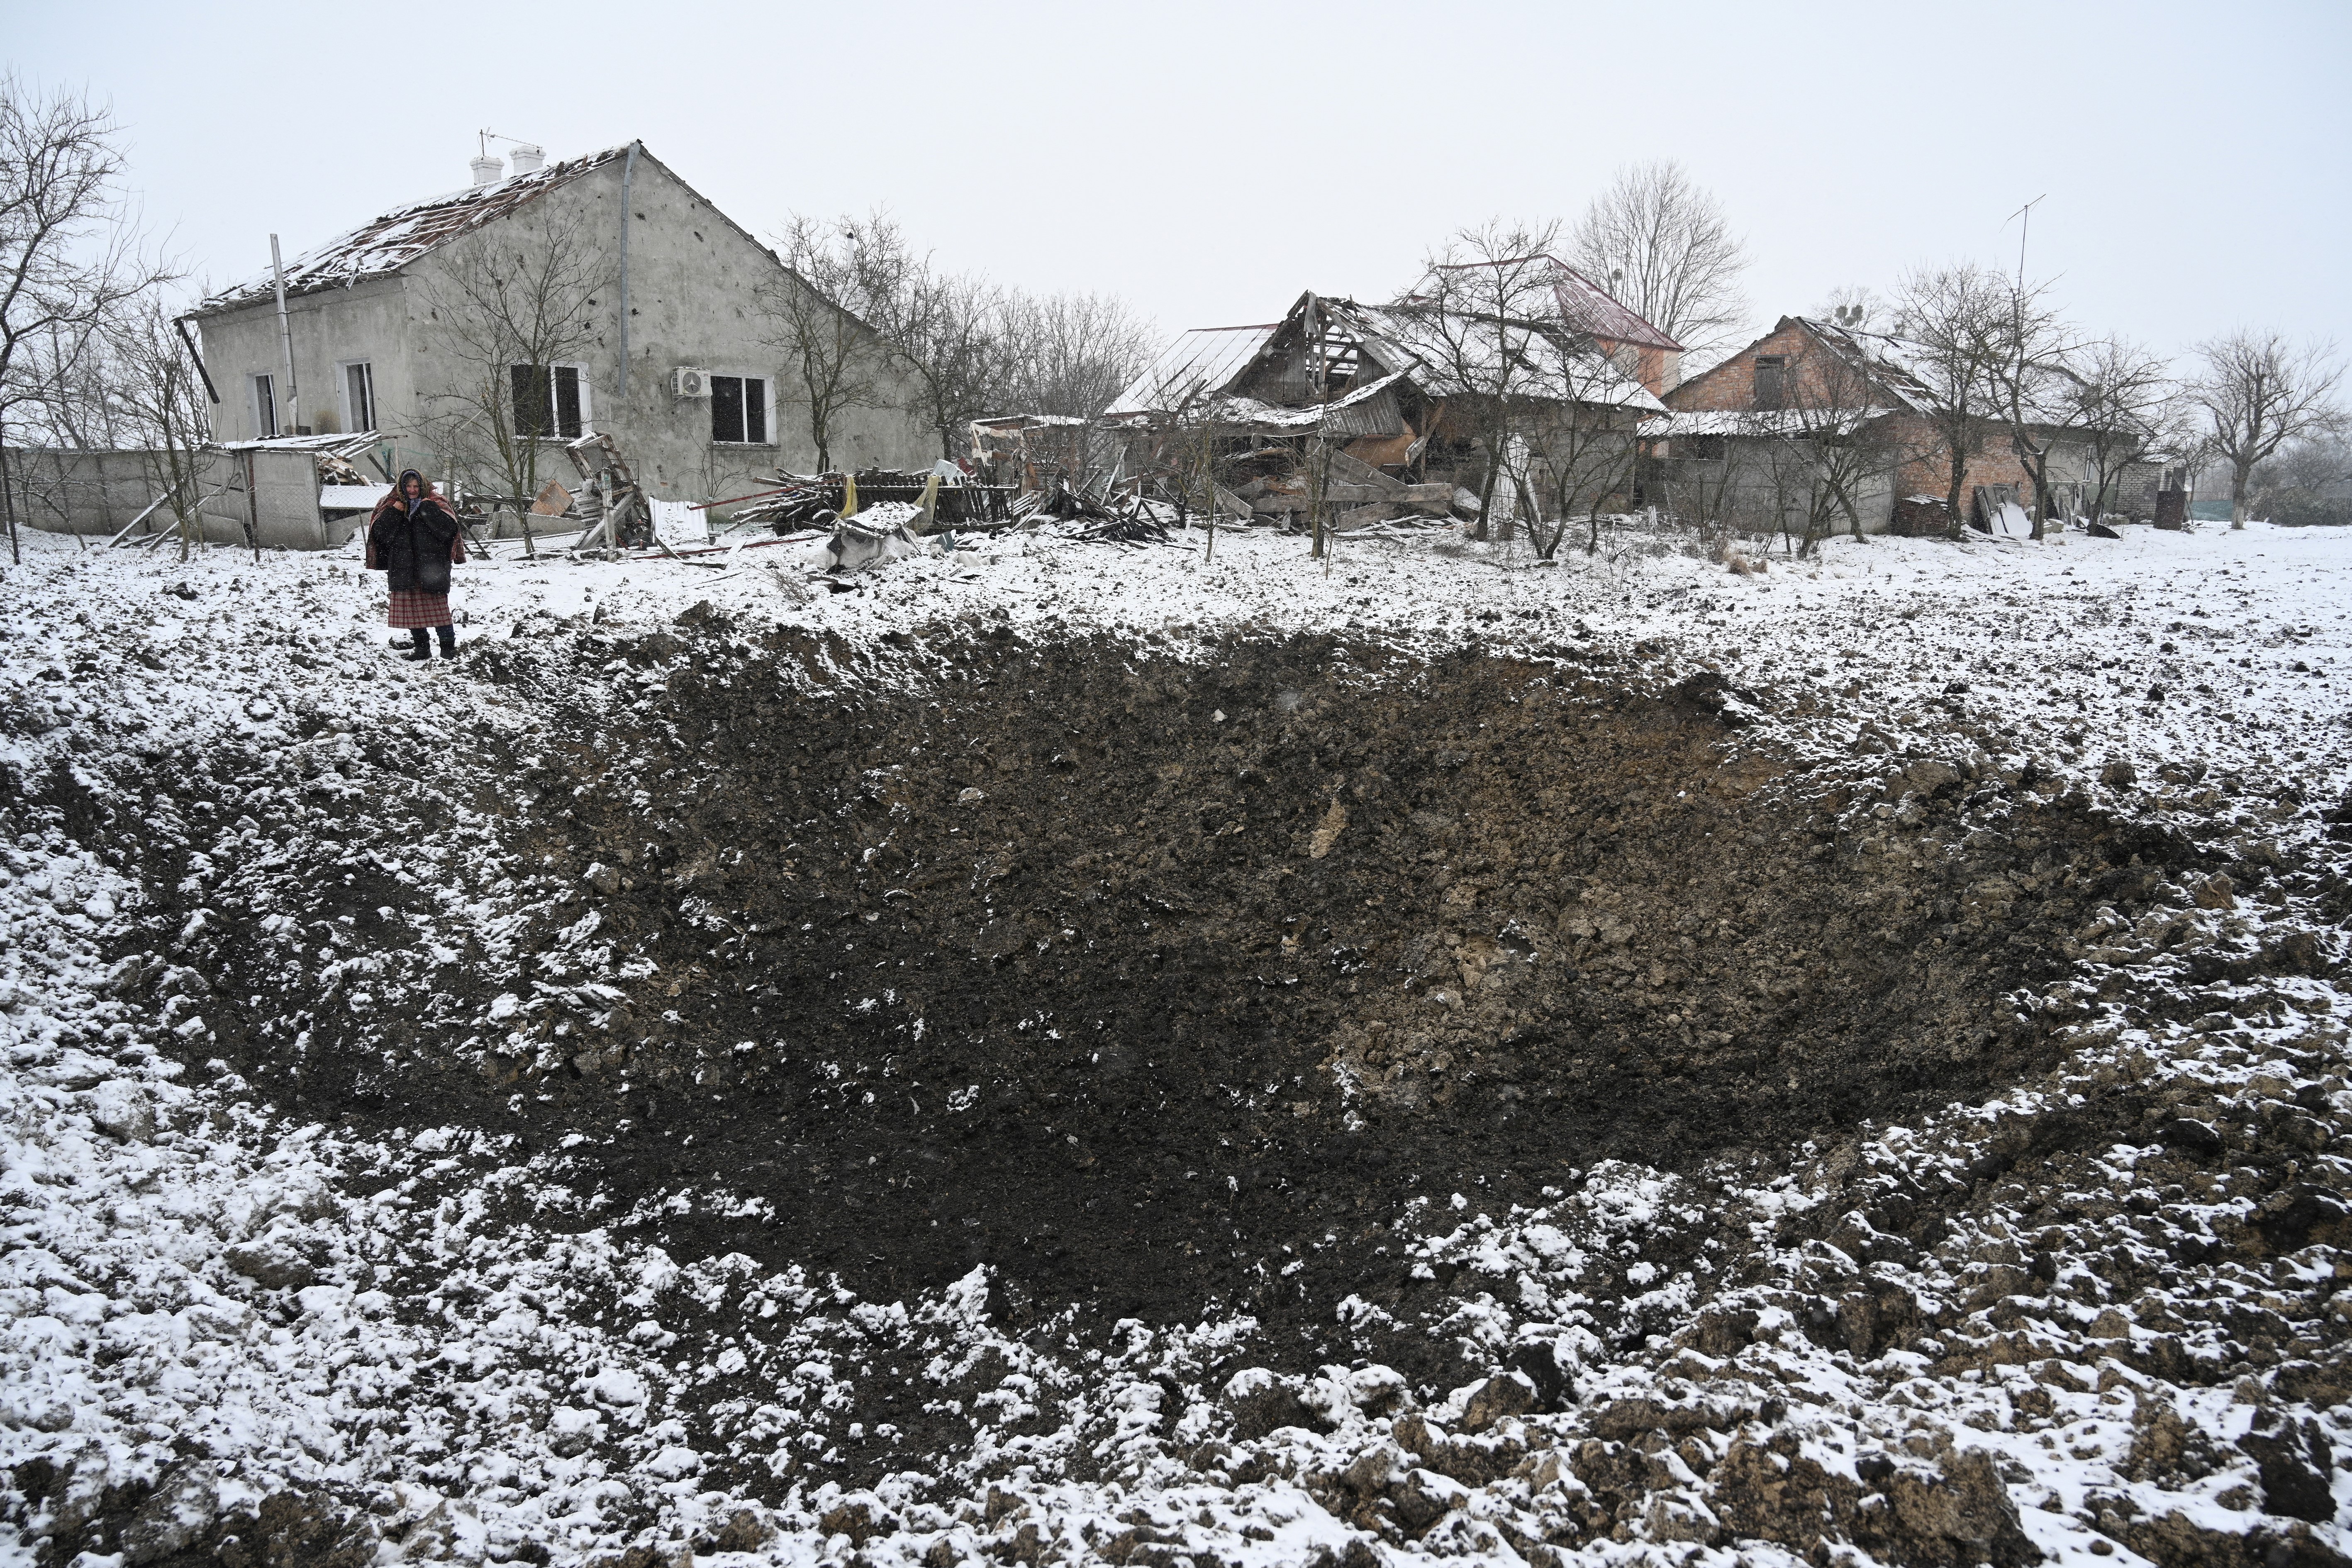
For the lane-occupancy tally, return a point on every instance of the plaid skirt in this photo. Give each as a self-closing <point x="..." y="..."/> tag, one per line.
<point x="411" y="610"/>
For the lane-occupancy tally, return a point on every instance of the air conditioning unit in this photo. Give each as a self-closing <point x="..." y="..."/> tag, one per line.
<point x="688" y="381"/>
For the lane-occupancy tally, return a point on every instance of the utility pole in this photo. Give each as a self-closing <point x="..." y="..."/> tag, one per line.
<point x="2017" y="337"/>
<point x="285" y="339"/>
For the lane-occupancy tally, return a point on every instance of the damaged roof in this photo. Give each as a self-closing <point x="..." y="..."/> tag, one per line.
<point x="1204" y="360"/>
<point x="1884" y="358"/>
<point x="1762" y="421"/>
<point x="1584" y="305"/>
<point x="385" y="245"/>
<point x="1215" y="373"/>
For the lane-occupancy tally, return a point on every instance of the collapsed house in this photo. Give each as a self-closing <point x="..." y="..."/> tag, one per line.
<point x="1823" y="424"/>
<point x="1433" y="404"/>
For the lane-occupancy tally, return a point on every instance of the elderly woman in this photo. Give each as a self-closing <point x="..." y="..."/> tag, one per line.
<point x="414" y="539"/>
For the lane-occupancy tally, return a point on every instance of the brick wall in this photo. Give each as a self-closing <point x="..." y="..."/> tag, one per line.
<point x="1730" y="387"/>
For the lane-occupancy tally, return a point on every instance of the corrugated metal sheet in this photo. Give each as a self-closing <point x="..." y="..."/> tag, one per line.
<point x="1202" y="360"/>
<point x="1369" y="410"/>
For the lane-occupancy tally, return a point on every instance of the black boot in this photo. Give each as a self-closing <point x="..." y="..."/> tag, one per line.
<point x="420" y="644"/>
<point x="448" y="642"/>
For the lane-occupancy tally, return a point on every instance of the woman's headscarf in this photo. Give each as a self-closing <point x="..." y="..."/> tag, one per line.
<point x="399" y="496"/>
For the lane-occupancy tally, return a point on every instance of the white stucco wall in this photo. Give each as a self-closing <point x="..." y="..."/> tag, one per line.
<point x="693" y="283"/>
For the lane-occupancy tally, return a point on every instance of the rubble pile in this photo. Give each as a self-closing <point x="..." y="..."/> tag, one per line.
<point x="818" y="501"/>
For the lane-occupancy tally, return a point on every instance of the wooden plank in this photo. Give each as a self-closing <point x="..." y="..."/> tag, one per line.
<point x="1355" y="471"/>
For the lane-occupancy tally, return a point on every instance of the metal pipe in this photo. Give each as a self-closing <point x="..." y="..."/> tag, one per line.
<point x="286" y="337"/>
<point x="628" y="171"/>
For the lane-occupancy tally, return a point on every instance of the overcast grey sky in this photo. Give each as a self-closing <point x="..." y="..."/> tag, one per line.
<point x="1207" y="161"/>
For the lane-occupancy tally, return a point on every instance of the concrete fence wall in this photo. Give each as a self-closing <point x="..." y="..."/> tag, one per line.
<point x="275" y="495"/>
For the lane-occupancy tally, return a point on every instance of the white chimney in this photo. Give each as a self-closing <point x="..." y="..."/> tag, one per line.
<point x="488" y="170"/>
<point x="527" y="159"/>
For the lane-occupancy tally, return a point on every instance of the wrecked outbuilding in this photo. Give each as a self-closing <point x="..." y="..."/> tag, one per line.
<point x="1361" y="413"/>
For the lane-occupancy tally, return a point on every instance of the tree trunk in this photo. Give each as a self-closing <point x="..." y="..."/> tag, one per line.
<point x="2238" y="473"/>
<point x="1486" y="496"/>
<point x="8" y="503"/>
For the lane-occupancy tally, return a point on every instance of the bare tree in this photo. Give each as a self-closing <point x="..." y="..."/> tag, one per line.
<point x="1856" y="307"/>
<point x="1484" y="304"/>
<point x="1833" y="416"/>
<point x="1582" y="437"/>
<point x="2308" y="482"/>
<point x="161" y="403"/>
<point x="1955" y="322"/>
<point x="1662" y="245"/>
<point x="2034" y="384"/>
<point x="814" y="318"/>
<point x="948" y="332"/>
<point x="1072" y="354"/>
<point x="967" y="347"/>
<point x="2125" y="401"/>
<point x="945" y="330"/>
<point x="512" y="306"/>
<point x="71" y="254"/>
<point x="2260" y="392"/>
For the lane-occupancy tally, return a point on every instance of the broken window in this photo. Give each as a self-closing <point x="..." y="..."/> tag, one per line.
<point x="359" y="395"/>
<point x="550" y="399"/>
<point x="739" y="410"/>
<point x="1771" y="372"/>
<point x="265" y="406"/>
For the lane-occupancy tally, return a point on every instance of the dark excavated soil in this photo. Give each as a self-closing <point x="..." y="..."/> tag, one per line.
<point x="1143" y="980"/>
<point x="1114" y="1025"/>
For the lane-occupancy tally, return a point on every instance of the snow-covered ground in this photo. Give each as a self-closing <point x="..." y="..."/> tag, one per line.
<point x="203" y="1292"/>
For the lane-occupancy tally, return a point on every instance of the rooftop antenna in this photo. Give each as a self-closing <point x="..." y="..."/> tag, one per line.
<point x="528" y="156"/>
<point x="2025" y="212"/>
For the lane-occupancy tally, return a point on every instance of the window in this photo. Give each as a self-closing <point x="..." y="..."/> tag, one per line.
<point x="359" y="396"/>
<point x="550" y="400"/>
<point x="739" y="410"/>
<point x="1700" y="448"/>
<point x="265" y="406"/>
<point x="1771" y="375"/>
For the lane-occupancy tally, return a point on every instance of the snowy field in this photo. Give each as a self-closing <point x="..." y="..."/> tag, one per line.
<point x="210" y="1309"/>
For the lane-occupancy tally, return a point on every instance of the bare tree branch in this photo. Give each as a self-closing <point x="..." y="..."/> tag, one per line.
<point x="1662" y="245"/>
<point x="511" y="306"/>
<point x="70" y="251"/>
<point x="2260" y="392"/>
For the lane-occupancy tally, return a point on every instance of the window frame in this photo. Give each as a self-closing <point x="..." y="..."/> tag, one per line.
<point x="767" y="406"/>
<point x="1777" y="364"/>
<point x="352" y="425"/>
<point x="262" y="388"/>
<point x="554" y="431"/>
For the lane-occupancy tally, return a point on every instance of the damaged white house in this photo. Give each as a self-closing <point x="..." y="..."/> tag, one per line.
<point x="661" y="319"/>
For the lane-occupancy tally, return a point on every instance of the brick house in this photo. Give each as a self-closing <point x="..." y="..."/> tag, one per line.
<point x="1733" y="433"/>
